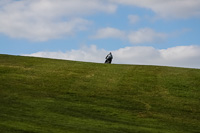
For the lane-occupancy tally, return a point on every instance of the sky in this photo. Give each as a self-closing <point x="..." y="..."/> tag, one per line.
<point x="139" y="32"/>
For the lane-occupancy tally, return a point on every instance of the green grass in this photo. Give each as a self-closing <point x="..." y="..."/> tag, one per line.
<point x="46" y="95"/>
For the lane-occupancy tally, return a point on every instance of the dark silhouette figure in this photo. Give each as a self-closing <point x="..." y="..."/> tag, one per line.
<point x="109" y="58"/>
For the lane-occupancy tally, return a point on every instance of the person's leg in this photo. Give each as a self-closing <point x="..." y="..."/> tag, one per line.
<point x="110" y="60"/>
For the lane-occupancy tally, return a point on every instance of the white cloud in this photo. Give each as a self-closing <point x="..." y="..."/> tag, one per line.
<point x="133" y="19"/>
<point x="42" y="31"/>
<point x="89" y="54"/>
<point x="47" y="19"/>
<point x="180" y="56"/>
<point x="136" y="55"/>
<point x="146" y="35"/>
<point x="167" y="8"/>
<point x="42" y="20"/>
<point x="109" y="32"/>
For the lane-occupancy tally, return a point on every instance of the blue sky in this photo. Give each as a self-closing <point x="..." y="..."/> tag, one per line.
<point x="149" y="32"/>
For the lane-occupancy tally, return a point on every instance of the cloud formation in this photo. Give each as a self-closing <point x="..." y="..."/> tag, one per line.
<point x="109" y="32"/>
<point x="41" y="20"/>
<point x="144" y="35"/>
<point x="88" y="54"/>
<point x="168" y="9"/>
<point x="180" y="56"/>
<point x="133" y="19"/>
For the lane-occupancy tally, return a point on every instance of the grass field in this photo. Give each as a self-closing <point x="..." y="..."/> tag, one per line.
<point x="57" y="96"/>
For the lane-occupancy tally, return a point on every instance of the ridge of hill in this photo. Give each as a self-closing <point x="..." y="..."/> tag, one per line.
<point x="48" y="95"/>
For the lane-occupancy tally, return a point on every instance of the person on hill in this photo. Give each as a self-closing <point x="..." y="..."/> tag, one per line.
<point x="109" y="58"/>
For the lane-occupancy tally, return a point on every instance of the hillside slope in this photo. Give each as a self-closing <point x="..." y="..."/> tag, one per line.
<point x="46" y="95"/>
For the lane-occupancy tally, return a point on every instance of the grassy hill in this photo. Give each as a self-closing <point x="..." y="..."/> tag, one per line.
<point x="46" y="95"/>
